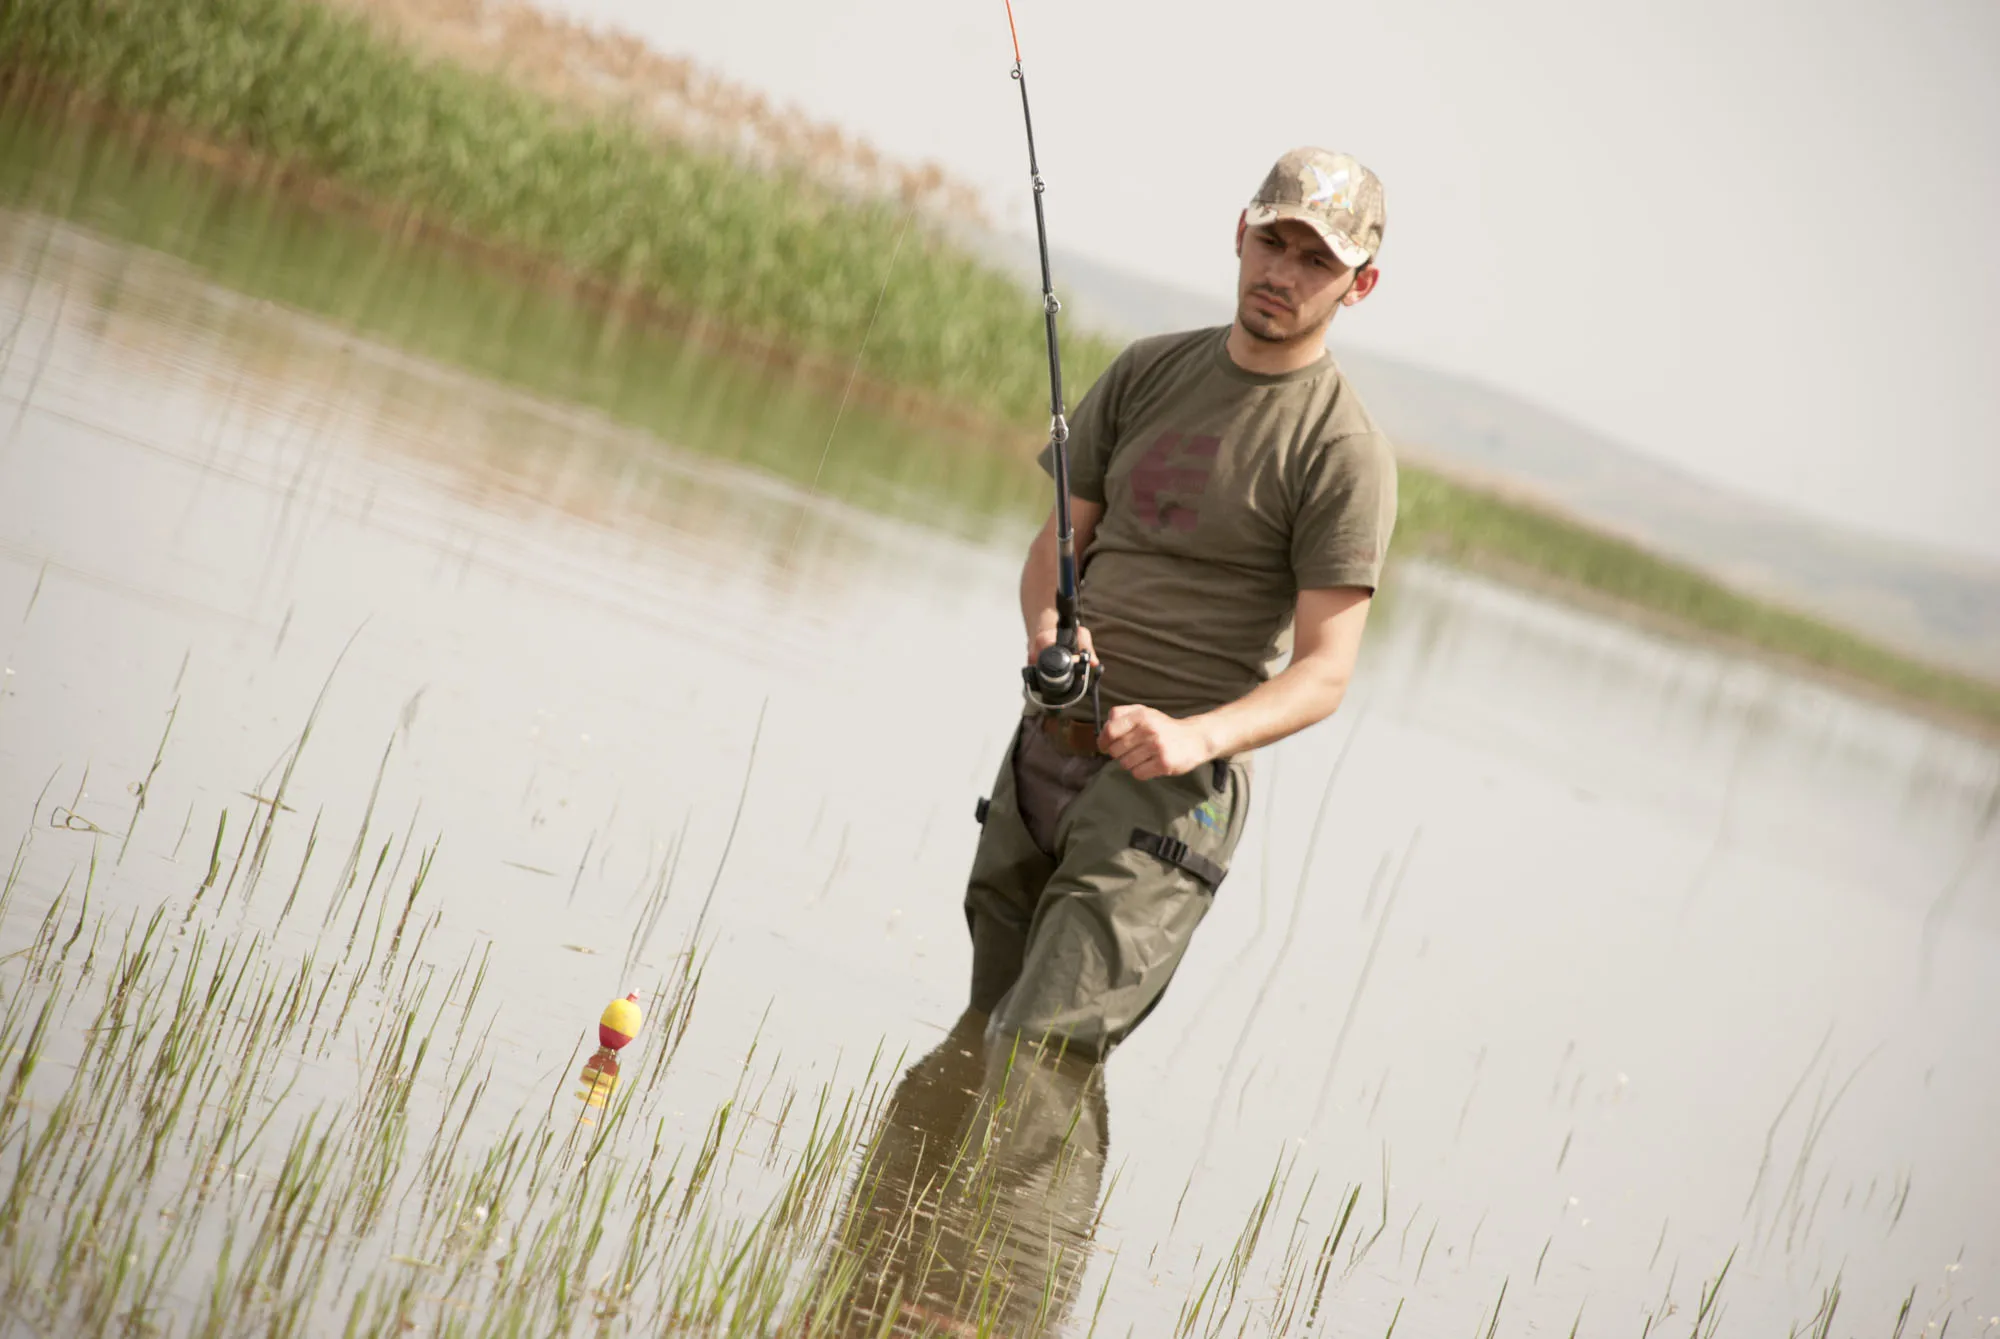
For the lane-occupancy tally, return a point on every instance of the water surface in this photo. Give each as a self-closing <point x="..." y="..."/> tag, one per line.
<point x="1587" y="958"/>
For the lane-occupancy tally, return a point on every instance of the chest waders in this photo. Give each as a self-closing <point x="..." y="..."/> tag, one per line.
<point x="1062" y="674"/>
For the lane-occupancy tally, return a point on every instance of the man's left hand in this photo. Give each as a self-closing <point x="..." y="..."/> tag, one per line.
<point x="1149" y="743"/>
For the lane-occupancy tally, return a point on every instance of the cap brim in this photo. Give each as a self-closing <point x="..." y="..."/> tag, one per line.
<point x="1351" y="255"/>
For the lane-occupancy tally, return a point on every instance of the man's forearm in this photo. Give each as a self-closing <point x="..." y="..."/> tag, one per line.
<point x="1304" y="693"/>
<point x="1038" y="573"/>
<point x="1038" y="586"/>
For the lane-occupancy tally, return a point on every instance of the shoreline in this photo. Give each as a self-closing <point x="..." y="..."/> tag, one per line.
<point x="246" y="168"/>
<point x="1444" y="518"/>
<point x="1972" y="723"/>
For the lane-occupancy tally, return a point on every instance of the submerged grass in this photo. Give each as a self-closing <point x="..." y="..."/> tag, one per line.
<point x="601" y="204"/>
<point x="173" y="1179"/>
<point x="168" y="1177"/>
<point x="212" y="1129"/>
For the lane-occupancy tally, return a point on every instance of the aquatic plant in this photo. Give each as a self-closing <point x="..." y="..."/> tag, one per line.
<point x="192" y="1161"/>
<point x="317" y="96"/>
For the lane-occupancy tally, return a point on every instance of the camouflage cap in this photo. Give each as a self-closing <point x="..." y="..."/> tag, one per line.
<point x="1340" y="198"/>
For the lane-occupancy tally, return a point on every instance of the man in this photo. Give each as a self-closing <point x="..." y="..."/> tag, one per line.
<point x="1223" y="483"/>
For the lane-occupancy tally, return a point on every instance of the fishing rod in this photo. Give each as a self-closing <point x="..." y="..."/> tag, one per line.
<point x="1061" y="674"/>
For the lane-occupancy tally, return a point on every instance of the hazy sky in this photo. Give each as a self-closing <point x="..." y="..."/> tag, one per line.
<point x="1759" y="240"/>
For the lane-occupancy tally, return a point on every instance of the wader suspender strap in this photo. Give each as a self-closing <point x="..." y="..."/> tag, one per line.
<point x="1175" y="852"/>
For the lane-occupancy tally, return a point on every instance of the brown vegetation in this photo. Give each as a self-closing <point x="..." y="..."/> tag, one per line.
<point x="604" y="70"/>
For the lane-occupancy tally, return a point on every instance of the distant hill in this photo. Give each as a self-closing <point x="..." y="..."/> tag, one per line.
<point x="1936" y="605"/>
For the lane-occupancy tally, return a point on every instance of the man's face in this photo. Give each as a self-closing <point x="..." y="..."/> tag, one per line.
<point x="1289" y="283"/>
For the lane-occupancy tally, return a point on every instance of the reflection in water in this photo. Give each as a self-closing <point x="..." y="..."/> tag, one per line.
<point x="600" y="1080"/>
<point x="975" y="1213"/>
<point x="774" y="414"/>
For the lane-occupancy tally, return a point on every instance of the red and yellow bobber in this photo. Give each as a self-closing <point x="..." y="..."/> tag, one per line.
<point x="615" y="1030"/>
<point x="620" y="1022"/>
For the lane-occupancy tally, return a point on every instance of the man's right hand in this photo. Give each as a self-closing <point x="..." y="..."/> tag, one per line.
<point x="1046" y="637"/>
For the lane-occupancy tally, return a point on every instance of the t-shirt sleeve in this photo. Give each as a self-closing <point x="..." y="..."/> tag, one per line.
<point x="1340" y="534"/>
<point x="1093" y="431"/>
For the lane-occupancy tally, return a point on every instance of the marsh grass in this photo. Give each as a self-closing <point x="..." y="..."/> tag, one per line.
<point x="318" y="96"/>
<point x="207" y="1133"/>
<point x="444" y="304"/>
<point x="183" y="1157"/>
<point x="171" y="1179"/>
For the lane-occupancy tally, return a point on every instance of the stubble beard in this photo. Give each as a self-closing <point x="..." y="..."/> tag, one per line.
<point x="1265" y="329"/>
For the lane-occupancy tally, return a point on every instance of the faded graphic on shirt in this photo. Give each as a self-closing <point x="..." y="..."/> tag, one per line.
<point x="1225" y="493"/>
<point x="1169" y="479"/>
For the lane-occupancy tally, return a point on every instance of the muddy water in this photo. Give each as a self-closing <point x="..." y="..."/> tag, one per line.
<point x="1581" y="960"/>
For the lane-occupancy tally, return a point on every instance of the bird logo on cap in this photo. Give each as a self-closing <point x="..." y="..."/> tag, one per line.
<point x="1332" y="190"/>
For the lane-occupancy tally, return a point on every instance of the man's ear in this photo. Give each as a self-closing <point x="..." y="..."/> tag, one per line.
<point x="1242" y="226"/>
<point x="1364" y="284"/>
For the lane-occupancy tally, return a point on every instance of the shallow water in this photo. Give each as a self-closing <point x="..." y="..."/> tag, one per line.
<point x="1589" y="958"/>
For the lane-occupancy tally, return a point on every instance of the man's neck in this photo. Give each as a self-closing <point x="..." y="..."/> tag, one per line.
<point x="1268" y="359"/>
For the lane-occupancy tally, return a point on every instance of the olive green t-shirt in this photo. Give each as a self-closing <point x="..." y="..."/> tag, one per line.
<point x="1225" y="492"/>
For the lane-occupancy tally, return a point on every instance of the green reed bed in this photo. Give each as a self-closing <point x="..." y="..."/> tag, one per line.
<point x="1476" y="530"/>
<point x="780" y="257"/>
<point x="446" y="304"/>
